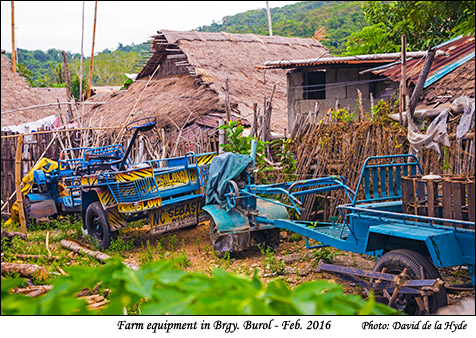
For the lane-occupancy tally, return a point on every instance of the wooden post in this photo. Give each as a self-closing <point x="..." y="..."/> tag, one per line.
<point x="68" y="86"/>
<point x="361" y="105"/>
<point x="18" y="183"/>
<point x="92" y="51"/>
<point x="221" y="136"/>
<point x="254" y="121"/>
<point x="421" y="81"/>
<point x="227" y="99"/>
<point x="14" y="63"/>
<point x="403" y="82"/>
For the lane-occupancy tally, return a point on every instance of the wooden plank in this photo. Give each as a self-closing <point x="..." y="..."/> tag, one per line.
<point x="457" y="200"/>
<point x="447" y="199"/>
<point x="18" y="178"/>
<point x="471" y="201"/>
<point x="430" y="184"/>
<point x="421" y="198"/>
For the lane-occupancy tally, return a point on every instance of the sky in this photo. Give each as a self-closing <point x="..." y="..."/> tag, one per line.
<point x="58" y="24"/>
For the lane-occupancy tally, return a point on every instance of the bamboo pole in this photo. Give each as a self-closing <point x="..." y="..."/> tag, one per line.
<point x="118" y="138"/>
<point x="81" y="70"/>
<point x="403" y="83"/>
<point x="14" y="64"/>
<point x="270" y="25"/>
<point x="48" y="105"/>
<point x="18" y="177"/>
<point x="227" y="99"/>
<point x="68" y="85"/>
<point x="60" y="131"/>
<point x="92" y="51"/>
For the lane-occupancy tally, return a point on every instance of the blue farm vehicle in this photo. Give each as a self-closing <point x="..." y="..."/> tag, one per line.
<point x="409" y="247"/>
<point x="109" y="191"/>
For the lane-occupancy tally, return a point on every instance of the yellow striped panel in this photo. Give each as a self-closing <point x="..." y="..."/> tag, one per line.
<point x="105" y="197"/>
<point x="205" y="159"/>
<point x="134" y="175"/>
<point x="116" y="219"/>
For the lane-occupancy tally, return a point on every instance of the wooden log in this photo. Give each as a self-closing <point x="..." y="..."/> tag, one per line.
<point x="25" y="270"/>
<point x="100" y="256"/>
<point x="21" y="256"/>
<point x="9" y="235"/>
<point x="421" y="80"/>
<point x="33" y="290"/>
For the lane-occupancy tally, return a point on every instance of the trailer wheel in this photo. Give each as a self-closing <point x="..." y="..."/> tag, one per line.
<point x="397" y="260"/>
<point x="267" y="238"/>
<point x="98" y="226"/>
<point x="30" y="222"/>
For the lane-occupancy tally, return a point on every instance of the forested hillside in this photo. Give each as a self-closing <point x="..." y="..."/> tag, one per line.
<point x="45" y="69"/>
<point x="336" y="20"/>
<point x="345" y="27"/>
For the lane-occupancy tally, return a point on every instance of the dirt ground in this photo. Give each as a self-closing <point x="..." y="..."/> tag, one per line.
<point x="291" y="261"/>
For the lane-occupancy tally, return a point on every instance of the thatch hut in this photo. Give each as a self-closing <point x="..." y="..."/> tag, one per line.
<point x="17" y="93"/>
<point x="184" y="82"/>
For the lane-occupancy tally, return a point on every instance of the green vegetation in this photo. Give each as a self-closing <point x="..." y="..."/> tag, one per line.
<point x="45" y="69"/>
<point x="339" y="19"/>
<point x="270" y="262"/>
<point x="159" y="288"/>
<point x="345" y="27"/>
<point x="425" y="24"/>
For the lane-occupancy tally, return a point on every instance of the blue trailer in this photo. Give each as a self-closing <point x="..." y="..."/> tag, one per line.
<point x="409" y="247"/>
<point x="109" y="191"/>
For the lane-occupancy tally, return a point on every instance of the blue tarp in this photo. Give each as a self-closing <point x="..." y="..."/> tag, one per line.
<point x="223" y="168"/>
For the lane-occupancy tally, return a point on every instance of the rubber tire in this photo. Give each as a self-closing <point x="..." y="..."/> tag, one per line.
<point x="30" y="222"/>
<point x="267" y="238"/>
<point x="97" y="225"/>
<point x="232" y="243"/>
<point x="396" y="260"/>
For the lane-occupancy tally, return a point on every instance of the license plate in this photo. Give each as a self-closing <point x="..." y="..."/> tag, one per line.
<point x="175" y="216"/>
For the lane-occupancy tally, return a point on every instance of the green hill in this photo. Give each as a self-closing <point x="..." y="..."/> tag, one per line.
<point x="338" y="18"/>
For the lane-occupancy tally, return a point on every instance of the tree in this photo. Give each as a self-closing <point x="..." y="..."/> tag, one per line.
<point x="371" y="40"/>
<point x="425" y="23"/>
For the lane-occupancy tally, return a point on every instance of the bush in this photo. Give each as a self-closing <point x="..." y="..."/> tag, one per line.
<point x="159" y="288"/>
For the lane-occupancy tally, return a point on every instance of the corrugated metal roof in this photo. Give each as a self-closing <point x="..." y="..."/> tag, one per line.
<point x="323" y="62"/>
<point x="327" y="59"/>
<point x="458" y="51"/>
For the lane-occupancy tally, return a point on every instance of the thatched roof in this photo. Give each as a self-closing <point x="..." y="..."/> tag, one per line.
<point x="193" y="70"/>
<point x="16" y="93"/>
<point x="460" y="82"/>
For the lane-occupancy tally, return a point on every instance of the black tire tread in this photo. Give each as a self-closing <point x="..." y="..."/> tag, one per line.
<point x="93" y="209"/>
<point x="401" y="258"/>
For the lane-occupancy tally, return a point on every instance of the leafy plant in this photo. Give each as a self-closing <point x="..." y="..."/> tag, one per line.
<point x="294" y="237"/>
<point x="120" y="246"/>
<point x="270" y="263"/>
<point x="159" y="288"/>
<point x="342" y="115"/>
<point x="239" y="144"/>
<point x="327" y="255"/>
<point x="147" y="253"/>
<point x="282" y="150"/>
